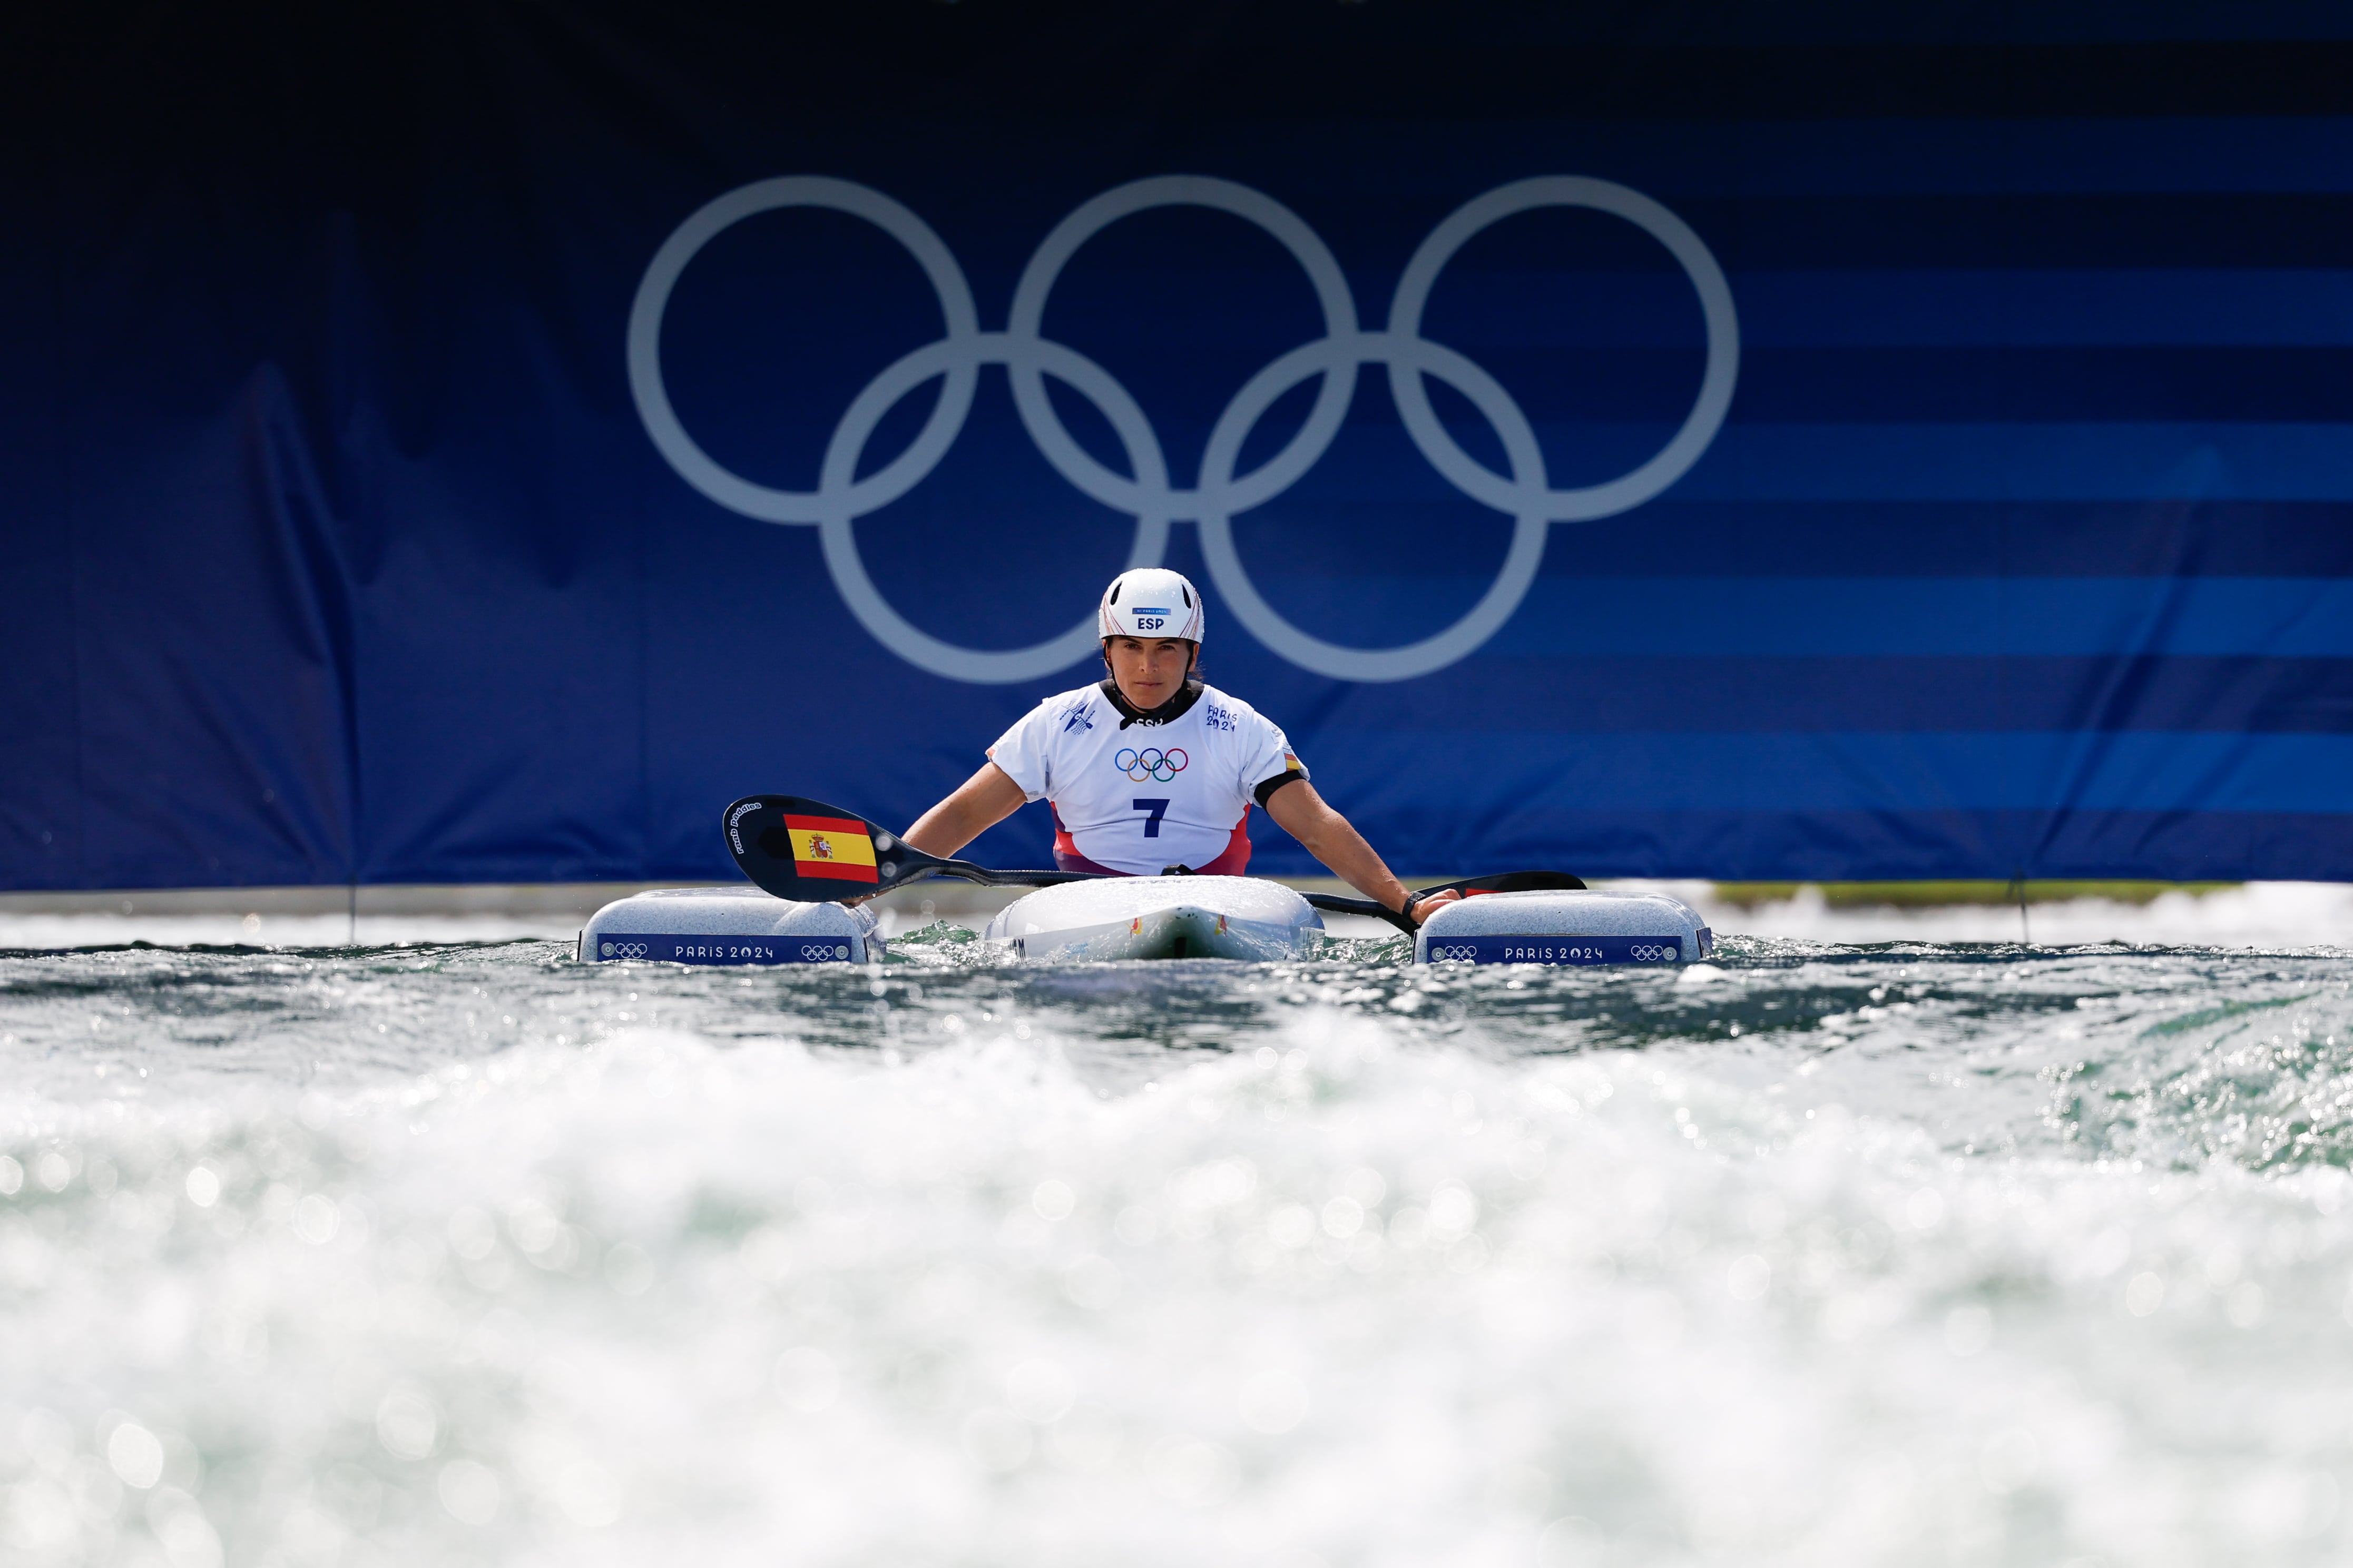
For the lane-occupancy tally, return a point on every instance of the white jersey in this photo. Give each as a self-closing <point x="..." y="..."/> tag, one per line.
<point x="1147" y="796"/>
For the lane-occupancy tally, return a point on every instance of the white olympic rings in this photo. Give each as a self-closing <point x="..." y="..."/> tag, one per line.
<point x="1525" y="495"/>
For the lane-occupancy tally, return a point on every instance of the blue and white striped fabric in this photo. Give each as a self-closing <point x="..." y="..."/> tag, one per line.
<point x="546" y="444"/>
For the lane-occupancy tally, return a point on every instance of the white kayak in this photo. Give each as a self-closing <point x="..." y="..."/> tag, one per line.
<point x="1246" y="917"/>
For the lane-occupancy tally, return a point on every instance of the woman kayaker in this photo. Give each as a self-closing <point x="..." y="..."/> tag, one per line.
<point x="1152" y="769"/>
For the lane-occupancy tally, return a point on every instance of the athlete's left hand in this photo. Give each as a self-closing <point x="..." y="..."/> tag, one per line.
<point x="1425" y="907"/>
<point x="1302" y="813"/>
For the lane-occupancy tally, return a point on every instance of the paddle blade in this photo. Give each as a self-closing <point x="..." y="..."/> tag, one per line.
<point x="1511" y="882"/>
<point x="814" y="853"/>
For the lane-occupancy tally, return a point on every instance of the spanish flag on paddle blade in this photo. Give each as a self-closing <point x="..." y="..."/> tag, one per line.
<point x="834" y="846"/>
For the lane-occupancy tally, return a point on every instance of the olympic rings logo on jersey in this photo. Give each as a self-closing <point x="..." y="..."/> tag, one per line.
<point x="1219" y="494"/>
<point x="1151" y="764"/>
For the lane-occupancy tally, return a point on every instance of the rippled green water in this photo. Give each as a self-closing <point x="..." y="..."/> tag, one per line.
<point x="1817" y="1254"/>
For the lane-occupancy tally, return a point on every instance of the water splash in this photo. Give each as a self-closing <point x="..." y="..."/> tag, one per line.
<point x="470" y="1254"/>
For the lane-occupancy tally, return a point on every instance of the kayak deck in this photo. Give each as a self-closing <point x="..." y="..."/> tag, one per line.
<point x="1244" y="918"/>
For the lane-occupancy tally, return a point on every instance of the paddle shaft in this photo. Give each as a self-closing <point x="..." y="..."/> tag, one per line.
<point x="807" y="850"/>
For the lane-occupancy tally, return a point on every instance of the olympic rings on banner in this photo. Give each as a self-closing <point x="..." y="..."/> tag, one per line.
<point x="1147" y="494"/>
<point x="1151" y="764"/>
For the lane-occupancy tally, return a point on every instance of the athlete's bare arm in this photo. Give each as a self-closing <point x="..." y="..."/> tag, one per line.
<point x="979" y="803"/>
<point x="1299" y="811"/>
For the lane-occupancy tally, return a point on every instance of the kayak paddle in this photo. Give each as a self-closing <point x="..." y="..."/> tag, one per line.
<point x="813" y="853"/>
<point x="1469" y="887"/>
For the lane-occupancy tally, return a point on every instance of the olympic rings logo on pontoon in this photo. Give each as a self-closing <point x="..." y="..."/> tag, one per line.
<point x="1152" y="763"/>
<point x="1148" y="493"/>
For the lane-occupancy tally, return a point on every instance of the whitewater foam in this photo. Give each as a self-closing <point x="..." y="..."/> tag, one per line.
<point x="472" y="1255"/>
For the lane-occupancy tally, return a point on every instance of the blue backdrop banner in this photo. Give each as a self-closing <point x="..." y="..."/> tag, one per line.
<point x="474" y="442"/>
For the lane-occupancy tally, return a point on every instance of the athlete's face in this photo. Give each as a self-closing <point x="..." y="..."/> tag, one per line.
<point x="1148" y="670"/>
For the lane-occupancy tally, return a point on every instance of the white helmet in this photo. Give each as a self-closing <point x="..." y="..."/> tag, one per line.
<point x="1151" y="601"/>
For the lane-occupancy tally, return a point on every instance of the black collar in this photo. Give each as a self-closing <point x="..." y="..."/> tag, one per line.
<point x="1168" y="712"/>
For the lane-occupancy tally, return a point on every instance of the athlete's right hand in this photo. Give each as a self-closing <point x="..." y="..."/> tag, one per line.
<point x="1430" y="903"/>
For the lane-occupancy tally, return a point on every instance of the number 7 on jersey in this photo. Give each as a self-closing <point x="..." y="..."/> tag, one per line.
<point x="1158" y="808"/>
